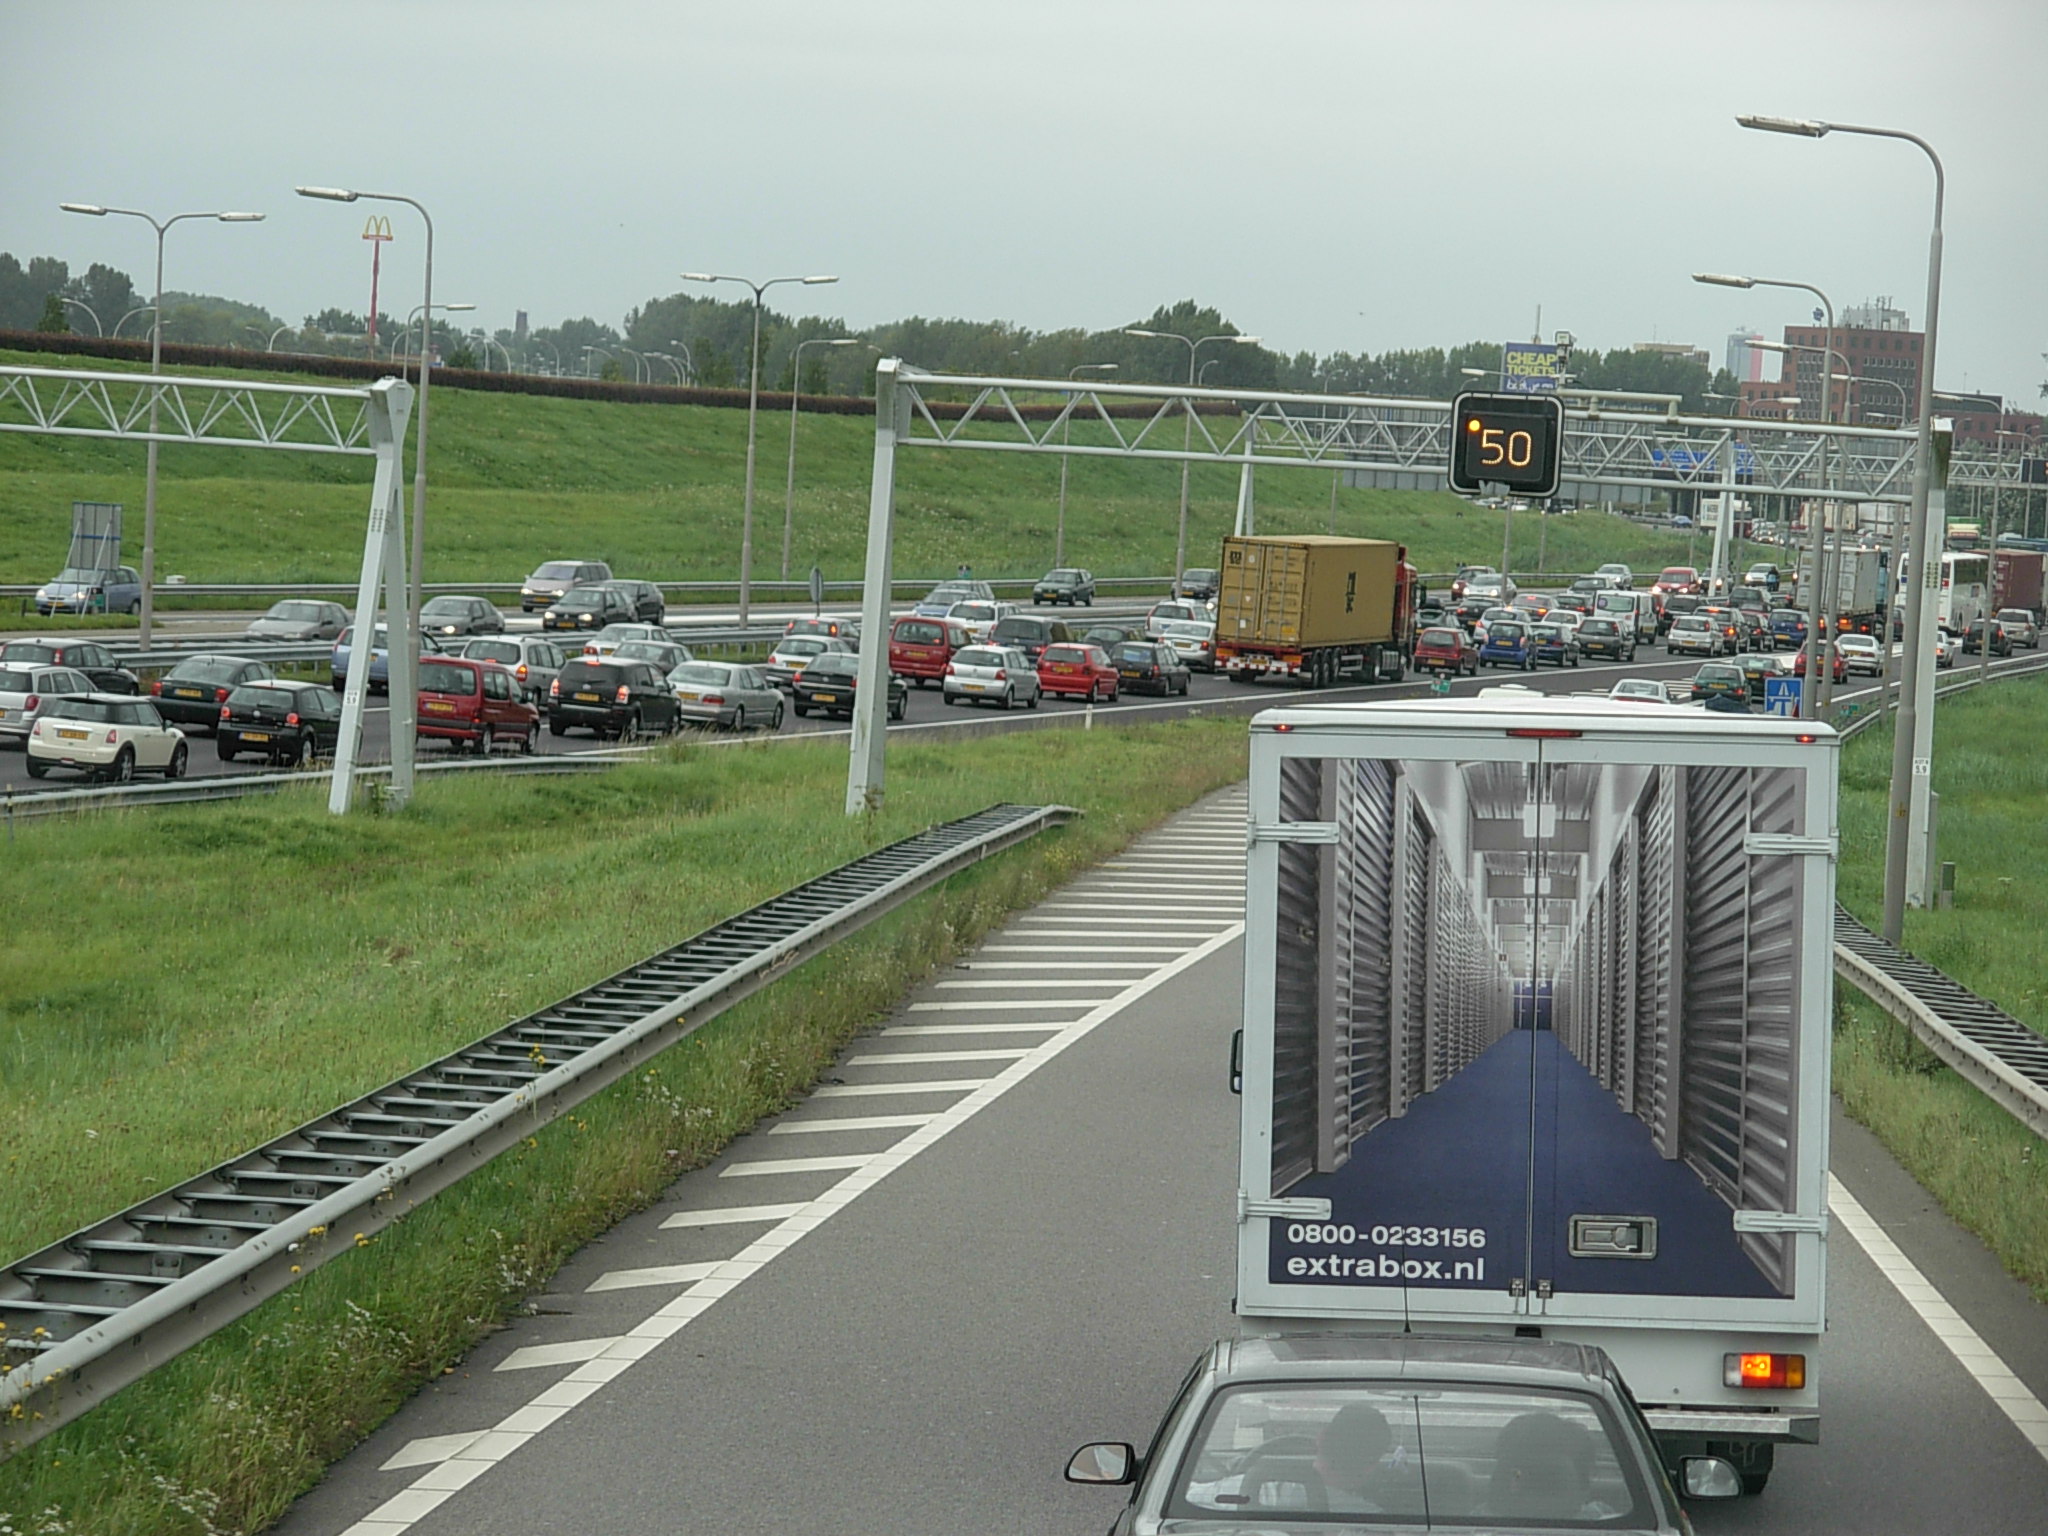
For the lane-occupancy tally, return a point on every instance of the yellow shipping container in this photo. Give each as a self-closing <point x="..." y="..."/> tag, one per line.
<point x="1307" y="590"/>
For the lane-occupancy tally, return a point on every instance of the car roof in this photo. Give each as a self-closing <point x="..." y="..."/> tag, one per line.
<point x="1536" y="1363"/>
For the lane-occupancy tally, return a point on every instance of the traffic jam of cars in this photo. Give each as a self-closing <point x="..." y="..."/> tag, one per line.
<point x="604" y="667"/>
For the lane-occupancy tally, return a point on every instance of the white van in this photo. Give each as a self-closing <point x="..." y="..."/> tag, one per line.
<point x="1636" y="609"/>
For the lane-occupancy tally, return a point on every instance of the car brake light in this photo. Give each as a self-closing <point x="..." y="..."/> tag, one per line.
<point x="1763" y="1370"/>
<point x="34" y="703"/>
<point x="292" y="718"/>
<point x="156" y="688"/>
<point x="713" y="698"/>
<point x="555" y="688"/>
<point x="949" y="669"/>
<point x="223" y="711"/>
<point x="1001" y="675"/>
<point x="624" y="695"/>
<point x="520" y="672"/>
<point x="112" y="737"/>
<point x="220" y="695"/>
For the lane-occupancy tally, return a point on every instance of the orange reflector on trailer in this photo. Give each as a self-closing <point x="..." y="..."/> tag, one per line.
<point x="1760" y="1370"/>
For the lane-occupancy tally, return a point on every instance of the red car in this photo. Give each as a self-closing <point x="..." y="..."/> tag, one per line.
<point x="1084" y="671"/>
<point x="1678" y="578"/>
<point x="919" y="649"/>
<point x="1446" y="649"/>
<point x="474" y="703"/>
<point x="1798" y="664"/>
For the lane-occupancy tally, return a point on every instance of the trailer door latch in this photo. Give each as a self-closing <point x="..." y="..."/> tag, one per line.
<point x="1299" y="1209"/>
<point x="1613" y="1237"/>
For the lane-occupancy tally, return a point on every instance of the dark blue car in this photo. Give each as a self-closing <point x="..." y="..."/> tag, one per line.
<point x="1788" y="629"/>
<point x="1507" y="644"/>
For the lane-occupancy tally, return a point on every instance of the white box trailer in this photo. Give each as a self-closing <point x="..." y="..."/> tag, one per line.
<point x="1536" y="1034"/>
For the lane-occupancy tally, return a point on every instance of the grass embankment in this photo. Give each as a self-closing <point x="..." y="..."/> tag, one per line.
<point x="242" y="968"/>
<point x="657" y="490"/>
<point x="1985" y="1169"/>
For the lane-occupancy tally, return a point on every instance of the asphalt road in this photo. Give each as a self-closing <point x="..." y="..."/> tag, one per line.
<point x="1003" y="1228"/>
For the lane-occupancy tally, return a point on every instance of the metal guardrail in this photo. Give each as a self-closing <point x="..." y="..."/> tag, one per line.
<point x="86" y="1316"/>
<point x="128" y="654"/>
<point x="794" y="588"/>
<point x="1985" y="1046"/>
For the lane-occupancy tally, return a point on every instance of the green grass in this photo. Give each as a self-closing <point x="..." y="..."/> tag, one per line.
<point x="1985" y="1169"/>
<point x="140" y="1046"/>
<point x="657" y="491"/>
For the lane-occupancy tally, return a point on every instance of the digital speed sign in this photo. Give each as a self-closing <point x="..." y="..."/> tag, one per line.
<point x="1513" y="441"/>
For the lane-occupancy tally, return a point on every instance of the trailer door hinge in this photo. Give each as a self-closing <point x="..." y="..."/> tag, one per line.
<point x="1768" y="843"/>
<point x="1281" y="1210"/>
<point x="1779" y="1221"/>
<point x="1294" y="832"/>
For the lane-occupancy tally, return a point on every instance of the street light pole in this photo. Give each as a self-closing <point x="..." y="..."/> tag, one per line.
<point x="1187" y="427"/>
<point x="796" y="385"/>
<point x="147" y="602"/>
<point x="1912" y="741"/>
<point x="1059" y="533"/>
<point x="97" y="328"/>
<point x="753" y="413"/>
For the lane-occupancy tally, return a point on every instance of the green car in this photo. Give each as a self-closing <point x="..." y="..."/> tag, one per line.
<point x="1722" y="679"/>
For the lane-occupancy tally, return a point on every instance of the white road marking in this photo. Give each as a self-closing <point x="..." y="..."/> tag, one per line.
<point x="851" y="1123"/>
<point x="1015" y="982"/>
<point x="929" y="1058"/>
<point x="1061" y="965"/>
<point x="731" y="1215"/>
<point x="430" y="1450"/>
<point x="1065" y="1004"/>
<point x="574" y="1352"/>
<point x="1082" y="949"/>
<point x="428" y="1492"/>
<point x="1128" y="902"/>
<point x="2026" y="1411"/>
<point x="768" y="1168"/>
<point x="1014" y="1027"/>
<point x="877" y="1090"/>
<point x="660" y="1274"/>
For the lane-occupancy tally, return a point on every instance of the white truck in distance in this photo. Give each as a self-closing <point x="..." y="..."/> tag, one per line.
<point x="1535" y="1044"/>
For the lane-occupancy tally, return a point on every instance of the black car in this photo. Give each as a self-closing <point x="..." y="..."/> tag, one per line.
<point x="1028" y="634"/>
<point x="1973" y="640"/>
<point x="1110" y="633"/>
<point x="1067" y="585"/>
<point x="453" y="615"/>
<point x="1202" y="583"/>
<point x="648" y="604"/>
<point x="827" y="685"/>
<point x="624" y="699"/>
<point x="281" y="722"/>
<point x="1150" y="666"/>
<point x="192" y="692"/>
<point x="1607" y="637"/>
<point x="588" y="608"/>
<point x="1469" y="610"/>
<point x="89" y="657"/>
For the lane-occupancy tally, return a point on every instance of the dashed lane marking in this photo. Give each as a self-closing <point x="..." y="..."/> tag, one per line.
<point x="930" y="1058"/>
<point x="769" y="1167"/>
<point x="573" y="1352"/>
<point x="731" y="1215"/>
<point x="850" y="1123"/>
<point x="660" y="1274"/>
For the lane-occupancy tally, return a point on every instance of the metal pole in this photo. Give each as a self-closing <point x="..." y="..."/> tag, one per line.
<point x="747" y="509"/>
<point x="866" y="765"/>
<point x="147" y="612"/>
<point x="1187" y="439"/>
<point x="1059" y="534"/>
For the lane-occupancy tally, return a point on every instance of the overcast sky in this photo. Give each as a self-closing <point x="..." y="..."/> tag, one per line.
<point x="1332" y="176"/>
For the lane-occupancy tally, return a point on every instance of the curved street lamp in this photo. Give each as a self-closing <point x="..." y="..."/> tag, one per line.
<point x="1194" y="345"/>
<point x="147" y="608"/>
<point x="97" y="328"/>
<point x="753" y="411"/>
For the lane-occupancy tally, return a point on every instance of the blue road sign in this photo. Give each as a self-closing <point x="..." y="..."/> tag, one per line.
<point x="1781" y="696"/>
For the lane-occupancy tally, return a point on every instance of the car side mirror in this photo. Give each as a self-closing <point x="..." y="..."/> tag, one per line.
<point x="1109" y="1462"/>
<point x="1709" y="1477"/>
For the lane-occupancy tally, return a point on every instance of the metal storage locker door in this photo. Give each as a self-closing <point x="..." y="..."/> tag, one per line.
<point x="1418" y="856"/>
<point x="1776" y="798"/>
<point x="1713" y="1089"/>
<point x="1296" y="978"/>
<point x="1368" y="828"/>
<point x="1436" y="999"/>
<point x="1627" y="936"/>
<point x="1659" y="918"/>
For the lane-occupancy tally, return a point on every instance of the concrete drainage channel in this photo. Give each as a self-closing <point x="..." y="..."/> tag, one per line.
<point x="107" y="1305"/>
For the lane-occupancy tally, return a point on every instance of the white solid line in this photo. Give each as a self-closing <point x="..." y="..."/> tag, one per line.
<point x="1188" y="935"/>
<point x="880" y="1090"/>
<point x="1075" y="949"/>
<point x="1127" y="902"/>
<point x="574" y="1352"/>
<point x="1169" y="861"/>
<point x="732" y="1215"/>
<point x="1193" y="890"/>
<point x="764" y="1169"/>
<point x="1991" y="1373"/>
<point x="661" y="1274"/>
<point x="1025" y="1027"/>
<point x="1016" y="982"/>
<point x="396" y="1514"/>
<point x="927" y="1058"/>
<point x="850" y="1123"/>
<point x="1065" y="1004"/>
<point x="1061" y="965"/>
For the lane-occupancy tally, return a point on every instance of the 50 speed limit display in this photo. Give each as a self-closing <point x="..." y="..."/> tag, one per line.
<point x="1511" y="441"/>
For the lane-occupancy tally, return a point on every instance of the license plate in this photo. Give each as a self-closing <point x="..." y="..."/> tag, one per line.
<point x="440" y="707"/>
<point x="255" y="736"/>
<point x="72" y="735"/>
<point x="1129" y="672"/>
<point x="686" y="698"/>
<point x="824" y="698"/>
<point x="972" y="687"/>
<point x="1064" y="668"/>
<point x="188" y="693"/>
<point x="588" y="698"/>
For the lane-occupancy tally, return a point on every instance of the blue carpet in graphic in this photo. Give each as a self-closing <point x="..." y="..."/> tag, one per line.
<point x="1459" y="1162"/>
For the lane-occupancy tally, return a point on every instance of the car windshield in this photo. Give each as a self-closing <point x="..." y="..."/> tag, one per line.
<point x="1065" y="653"/>
<point x="1599" y="627"/>
<point x="28" y="650"/>
<point x="1018" y="629"/>
<point x="1441" y="637"/>
<point x="920" y="634"/>
<point x="589" y="674"/>
<point x="307" y="613"/>
<point x="455" y="605"/>
<point x="555" y="570"/>
<point x="1190" y="629"/>
<point x="83" y="577"/>
<point x="1062" y="578"/>
<point x="2013" y="616"/>
<point x="493" y="650"/>
<point x="978" y="656"/>
<point x="87" y="709"/>
<point x="802" y="645"/>
<point x="949" y="593"/>
<point x="1137" y="653"/>
<point x="1344" y="1452"/>
<point x="1200" y="577"/>
<point x="701" y="673"/>
<point x="440" y="677"/>
<point x="836" y="665"/>
<point x="250" y="696"/>
<point x="974" y="612"/>
<point x="581" y="597"/>
<point x="1545" y="632"/>
<point x="17" y="682"/>
<point x="656" y="651"/>
<point x="196" y="670"/>
<point x="1503" y="629"/>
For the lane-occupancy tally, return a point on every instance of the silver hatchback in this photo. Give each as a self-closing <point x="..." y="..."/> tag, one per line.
<point x="26" y="691"/>
<point x="988" y="674"/>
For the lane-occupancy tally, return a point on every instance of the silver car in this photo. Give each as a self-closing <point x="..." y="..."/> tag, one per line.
<point x="300" y="618"/>
<point x="533" y="661"/>
<point x="727" y="695"/>
<point x="1328" y="1431"/>
<point x="665" y="654"/>
<point x="1193" y="641"/>
<point x="988" y="674"/>
<point x="26" y="691"/>
<point x="795" y="652"/>
<point x="451" y="614"/>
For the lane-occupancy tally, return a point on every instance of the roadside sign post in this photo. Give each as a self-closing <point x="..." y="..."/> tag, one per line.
<point x="817" y="591"/>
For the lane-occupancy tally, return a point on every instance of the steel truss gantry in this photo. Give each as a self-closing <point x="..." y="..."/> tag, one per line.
<point x="299" y="418"/>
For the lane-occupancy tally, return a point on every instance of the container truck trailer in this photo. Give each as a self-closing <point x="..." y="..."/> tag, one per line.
<point x="1535" y="1044"/>
<point x="1315" y="610"/>
<point x="2016" y="580"/>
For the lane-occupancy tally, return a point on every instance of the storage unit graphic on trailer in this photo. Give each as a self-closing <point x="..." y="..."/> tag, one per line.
<point x="1534" y="1024"/>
